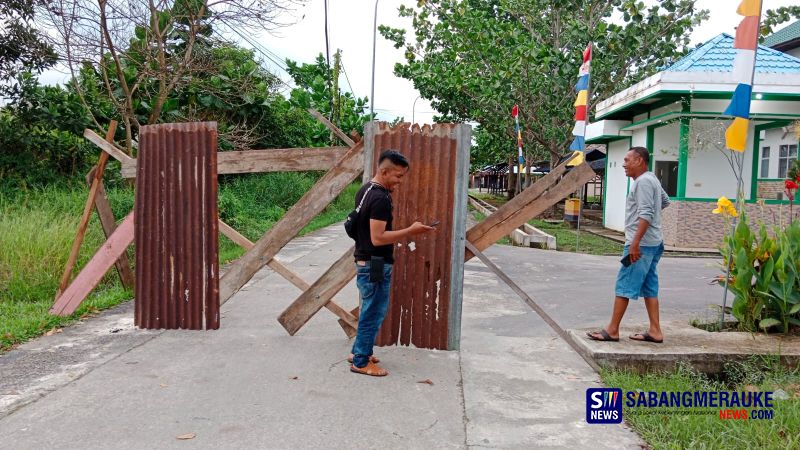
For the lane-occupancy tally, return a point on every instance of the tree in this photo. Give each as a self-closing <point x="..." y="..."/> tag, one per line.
<point x="774" y="17"/>
<point x="22" y="48"/>
<point x="477" y="58"/>
<point x="317" y="87"/>
<point x="149" y="49"/>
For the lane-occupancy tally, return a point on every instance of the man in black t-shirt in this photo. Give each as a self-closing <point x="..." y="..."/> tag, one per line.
<point x="374" y="244"/>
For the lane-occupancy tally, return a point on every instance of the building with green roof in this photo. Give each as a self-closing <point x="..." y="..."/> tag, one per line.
<point x="677" y="115"/>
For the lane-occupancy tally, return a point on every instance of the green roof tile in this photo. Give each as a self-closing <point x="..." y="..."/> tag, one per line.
<point x="785" y="34"/>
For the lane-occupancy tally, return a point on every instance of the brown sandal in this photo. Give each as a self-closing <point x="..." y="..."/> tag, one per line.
<point x="371" y="358"/>
<point x="370" y="369"/>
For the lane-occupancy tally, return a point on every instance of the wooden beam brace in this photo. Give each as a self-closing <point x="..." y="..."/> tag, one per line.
<point x="109" y="225"/>
<point x="348" y="322"/>
<point x="107" y="147"/>
<point x="271" y="160"/>
<point x="94" y="271"/>
<point x="334" y="129"/>
<point x="512" y="219"/>
<point x="534" y="306"/>
<point x="298" y="216"/>
<point x="520" y="200"/>
<point x="87" y="211"/>
<point x="319" y="294"/>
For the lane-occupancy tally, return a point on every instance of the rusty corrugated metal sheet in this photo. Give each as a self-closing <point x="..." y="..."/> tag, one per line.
<point x="421" y="291"/>
<point x="177" y="269"/>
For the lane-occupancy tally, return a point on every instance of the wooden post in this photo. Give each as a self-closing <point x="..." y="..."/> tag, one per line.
<point x="515" y="216"/>
<point x="87" y="211"/>
<point x="347" y="320"/>
<point x="109" y="225"/>
<point x="319" y="294"/>
<point x="94" y="271"/>
<point x="298" y="216"/>
<point x="534" y="306"/>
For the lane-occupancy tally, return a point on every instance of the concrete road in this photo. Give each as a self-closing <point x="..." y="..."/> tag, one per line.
<point x="104" y="384"/>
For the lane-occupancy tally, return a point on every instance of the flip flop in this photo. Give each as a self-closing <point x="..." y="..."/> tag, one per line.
<point x="370" y="369"/>
<point x="646" y="338"/>
<point x="606" y="337"/>
<point x="372" y="358"/>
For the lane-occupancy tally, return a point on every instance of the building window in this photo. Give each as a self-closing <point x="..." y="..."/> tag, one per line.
<point x="765" y="162"/>
<point x="787" y="154"/>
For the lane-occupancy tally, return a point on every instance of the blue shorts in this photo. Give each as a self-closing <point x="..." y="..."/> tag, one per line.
<point x="640" y="279"/>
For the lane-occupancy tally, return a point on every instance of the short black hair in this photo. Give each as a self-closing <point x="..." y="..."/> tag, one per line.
<point x="643" y="153"/>
<point x="395" y="157"/>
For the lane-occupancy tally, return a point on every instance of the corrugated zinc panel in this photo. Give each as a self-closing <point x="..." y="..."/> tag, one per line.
<point x="421" y="293"/>
<point x="177" y="270"/>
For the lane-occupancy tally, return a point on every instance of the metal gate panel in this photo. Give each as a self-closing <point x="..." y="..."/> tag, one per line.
<point x="427" y="278"/>
<point x="177" y="261"/>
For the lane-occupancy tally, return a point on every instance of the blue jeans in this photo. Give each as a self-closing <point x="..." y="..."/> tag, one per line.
<point x="374" y="304"/>
<point x="640" y="279"/>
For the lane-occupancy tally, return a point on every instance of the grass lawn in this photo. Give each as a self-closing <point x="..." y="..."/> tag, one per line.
<point x="567" y="238"/>
<point x="37" y="229"/>
<point x="702" y="431"/>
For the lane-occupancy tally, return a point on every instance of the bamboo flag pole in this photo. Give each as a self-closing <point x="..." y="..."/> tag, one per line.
<point x="744" y="68"/>
<point x="579" y="131"/>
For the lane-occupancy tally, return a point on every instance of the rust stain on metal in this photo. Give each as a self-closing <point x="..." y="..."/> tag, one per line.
<point x="420" y="292"/>
<point x="176" y="235"/>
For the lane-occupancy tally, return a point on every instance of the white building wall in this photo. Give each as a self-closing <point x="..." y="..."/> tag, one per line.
<point x="666" y="109"/>
<point x="794" y="52"/>
<point x="709" y="175"/>
<point x="639" y="138"/>
<point x="756" y="106"/>
<point x="665" y="142"/>
<point x="773" y="138"/>
<point x="617" y="186"/>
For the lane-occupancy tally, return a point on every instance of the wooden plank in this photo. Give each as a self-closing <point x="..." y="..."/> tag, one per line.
<point x="270" y="160"/>
<point x="533" y="305"/>
<point x="348" y="322"/>
<point x="87" y="211"/>
<point x="109" y="224"/>
<point x="514" y="218"/>
<point x="520" y="200"/>
<point x="312" y="300"/>
<point x="94" y="271"/>
<point x="298" y="216"/>
<point x="107" y="147"/>
<point x="339" y="133"/>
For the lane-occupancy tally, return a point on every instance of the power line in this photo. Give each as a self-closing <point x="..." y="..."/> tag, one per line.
<point x="348" y="79"/>
<point x="264" y="52"/>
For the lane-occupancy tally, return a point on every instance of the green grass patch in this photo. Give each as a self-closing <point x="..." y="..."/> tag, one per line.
<point x="707" y="431"/>
<point x="36" y="233"/>
<point x="37" y="228"/>
<point x="567" y="238"/>
<point x="494" y="200"/>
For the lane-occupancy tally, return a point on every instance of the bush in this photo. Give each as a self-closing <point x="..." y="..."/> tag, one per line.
<point x="765" y="276"/>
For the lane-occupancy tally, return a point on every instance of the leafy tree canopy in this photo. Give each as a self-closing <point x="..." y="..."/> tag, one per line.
<point x="21" y="46"/>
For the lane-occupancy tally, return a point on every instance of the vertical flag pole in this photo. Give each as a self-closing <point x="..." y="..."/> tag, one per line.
<point x="744" y="68"/>
<point x="579" y="131"/>
<point x="520" y="158"/>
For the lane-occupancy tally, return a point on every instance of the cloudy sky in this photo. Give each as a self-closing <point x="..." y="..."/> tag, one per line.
<point x="351" y="30"/>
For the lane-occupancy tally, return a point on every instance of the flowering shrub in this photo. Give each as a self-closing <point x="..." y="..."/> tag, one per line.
<point x="764" y="277"/>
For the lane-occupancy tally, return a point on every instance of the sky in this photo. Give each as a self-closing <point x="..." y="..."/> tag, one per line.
<point x="351" y="30"/>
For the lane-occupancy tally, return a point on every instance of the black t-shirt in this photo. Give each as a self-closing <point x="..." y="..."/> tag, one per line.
<point x="378" y="206"/>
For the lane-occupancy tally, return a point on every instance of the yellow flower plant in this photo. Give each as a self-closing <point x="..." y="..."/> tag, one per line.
<point x="725" y="207"/>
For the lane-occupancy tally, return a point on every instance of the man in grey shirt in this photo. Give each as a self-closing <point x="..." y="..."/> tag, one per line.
<point x="644" y="245"/>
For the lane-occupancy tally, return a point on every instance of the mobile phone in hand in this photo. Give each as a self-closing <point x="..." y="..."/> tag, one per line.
<point x="434" y="223"/>
<point x="626" y="261"/>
